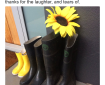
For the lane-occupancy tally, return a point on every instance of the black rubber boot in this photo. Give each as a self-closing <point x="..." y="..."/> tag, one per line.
<point x="52" y="53"/>
<point x="29" y="46"/>
<point x="40" y="75"/>
<point x="69" y="61"/>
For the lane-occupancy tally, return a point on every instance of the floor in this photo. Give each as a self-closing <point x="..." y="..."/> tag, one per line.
<point x="14" y="80"/>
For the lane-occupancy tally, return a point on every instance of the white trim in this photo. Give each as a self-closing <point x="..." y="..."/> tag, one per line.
<point x="18" y="21"/>
<point x="13" y="47"/>
<point x="22" y="23"/>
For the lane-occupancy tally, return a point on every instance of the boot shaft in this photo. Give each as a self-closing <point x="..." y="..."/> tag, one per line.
<point x="51" y="43"/>
<point x="52" y="63"/>
<point x="52" y="52"/>
<point x="19" y="57"/>
<point x="39" y="55"/>
<point x="29" y="46"/>
<point x="70" y="48"/>
<point x="69" y="59"/>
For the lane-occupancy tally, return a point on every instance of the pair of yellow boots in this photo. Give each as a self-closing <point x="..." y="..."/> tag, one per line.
<point x="23" y="66"/>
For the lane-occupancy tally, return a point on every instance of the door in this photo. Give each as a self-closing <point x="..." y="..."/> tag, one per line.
<point x="11" y="35"/>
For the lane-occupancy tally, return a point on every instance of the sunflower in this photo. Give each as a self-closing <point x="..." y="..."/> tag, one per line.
<point x="60" y="20"/>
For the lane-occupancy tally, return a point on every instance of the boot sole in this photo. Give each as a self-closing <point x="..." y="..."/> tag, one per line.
<point x="14" y="74"/>
<point x="20" y="76"/>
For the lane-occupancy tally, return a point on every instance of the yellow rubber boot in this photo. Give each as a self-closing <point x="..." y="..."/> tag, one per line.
<point x="17" y="69"/>
<point x="26" y="66"/>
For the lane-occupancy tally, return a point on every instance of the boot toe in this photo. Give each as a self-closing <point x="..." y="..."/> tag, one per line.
<point x="16" y="70"/>
<point x="25" y="80"/>
<point x="14" y="73"/>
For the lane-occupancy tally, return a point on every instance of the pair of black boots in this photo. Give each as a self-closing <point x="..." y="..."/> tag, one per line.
<point x="37" y="73"/>
<point x="49" y="52"/>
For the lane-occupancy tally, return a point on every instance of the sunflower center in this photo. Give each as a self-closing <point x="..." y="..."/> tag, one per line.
<point x="61" y="20"/>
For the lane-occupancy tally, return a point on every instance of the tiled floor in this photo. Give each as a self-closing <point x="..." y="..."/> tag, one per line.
<point x="14" y="80"/>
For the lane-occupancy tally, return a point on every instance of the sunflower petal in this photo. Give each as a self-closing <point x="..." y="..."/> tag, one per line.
<point x="72" y="17"/>
<point x="49" y="16"/>
<point x="50" y="20"/>
<point x="56" y="30"/>
<point x="76" y="17"/>
<point x="65" y="11"/>
<point x="74" y="24"/>
<point x="64" y="35"/>
<point x="55" y="25"/>
<point x="62" y="30"/>
<point x="72" y="10"/>
<point x="53" y="10"/>
<point x="49" y="24"/>
<point x="69" y="31"/>
<point x="50" y="11"/>
<point x="52" y="16"/>
<point x="58" y="10"/>
<point x="71" y="28"/>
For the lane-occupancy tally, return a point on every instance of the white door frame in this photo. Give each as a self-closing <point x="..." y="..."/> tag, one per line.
<point x="21" y="29"/>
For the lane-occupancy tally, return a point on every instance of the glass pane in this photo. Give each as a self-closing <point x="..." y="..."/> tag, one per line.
<point x="34" y="18"/>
